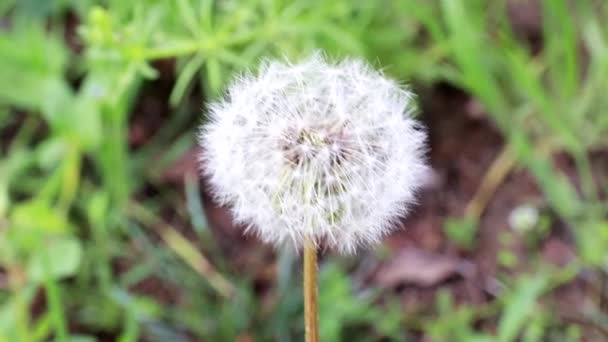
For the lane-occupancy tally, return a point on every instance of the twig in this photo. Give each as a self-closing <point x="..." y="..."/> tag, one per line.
<point x="498" y="171"/>
<point x="190" y="254"/>
<point x="496" y="174"/>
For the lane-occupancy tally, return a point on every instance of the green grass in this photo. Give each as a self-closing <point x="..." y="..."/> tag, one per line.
<point x="72" y="210"/>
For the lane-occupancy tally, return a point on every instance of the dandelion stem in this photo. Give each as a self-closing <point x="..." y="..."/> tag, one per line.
<point x="310" y="292"/>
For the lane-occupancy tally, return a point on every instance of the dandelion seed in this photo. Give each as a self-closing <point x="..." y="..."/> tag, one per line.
<point x="318" y="151"/>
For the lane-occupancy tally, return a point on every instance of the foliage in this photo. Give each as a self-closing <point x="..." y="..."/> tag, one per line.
<point x="77" y="234"/>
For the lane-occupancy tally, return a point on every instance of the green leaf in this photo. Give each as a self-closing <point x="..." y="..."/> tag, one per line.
<point x="4" y="198"/>
<point x="81" y="338"/>
<point x="63" y="255"/>
<point x="214" y="75"/>
<point x="462" y="232"/>
<point x="38" y="216"/>
<point x="185" y="77"/>
<point x="33" y="63"/>
<point x="520" y="306"/>
<point x="592" y="239"/>
<point x="50" y="152"/>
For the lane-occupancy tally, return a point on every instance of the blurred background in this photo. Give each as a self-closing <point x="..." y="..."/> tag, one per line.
<point x="108" y="234"/>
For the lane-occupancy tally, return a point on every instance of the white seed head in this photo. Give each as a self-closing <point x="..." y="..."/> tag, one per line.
<point x="315" y="150"/>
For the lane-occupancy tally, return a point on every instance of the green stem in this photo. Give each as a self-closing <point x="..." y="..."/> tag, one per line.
<point x="54" y="301"/>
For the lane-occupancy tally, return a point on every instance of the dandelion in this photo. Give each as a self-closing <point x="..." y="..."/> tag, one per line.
<point x="315" y="153"/>
<point x="319" y="151"/>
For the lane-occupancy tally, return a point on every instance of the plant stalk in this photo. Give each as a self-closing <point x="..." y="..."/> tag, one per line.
<point x="311" y="325"/>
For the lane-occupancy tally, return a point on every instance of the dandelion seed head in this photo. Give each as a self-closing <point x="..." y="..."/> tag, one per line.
<point x="315" y="150"/>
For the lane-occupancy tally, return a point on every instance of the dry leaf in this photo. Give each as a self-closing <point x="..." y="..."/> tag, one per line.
<point x="421" y="268"/>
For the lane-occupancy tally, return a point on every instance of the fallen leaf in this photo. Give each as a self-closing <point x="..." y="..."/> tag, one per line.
<point x="421" y="268"/>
